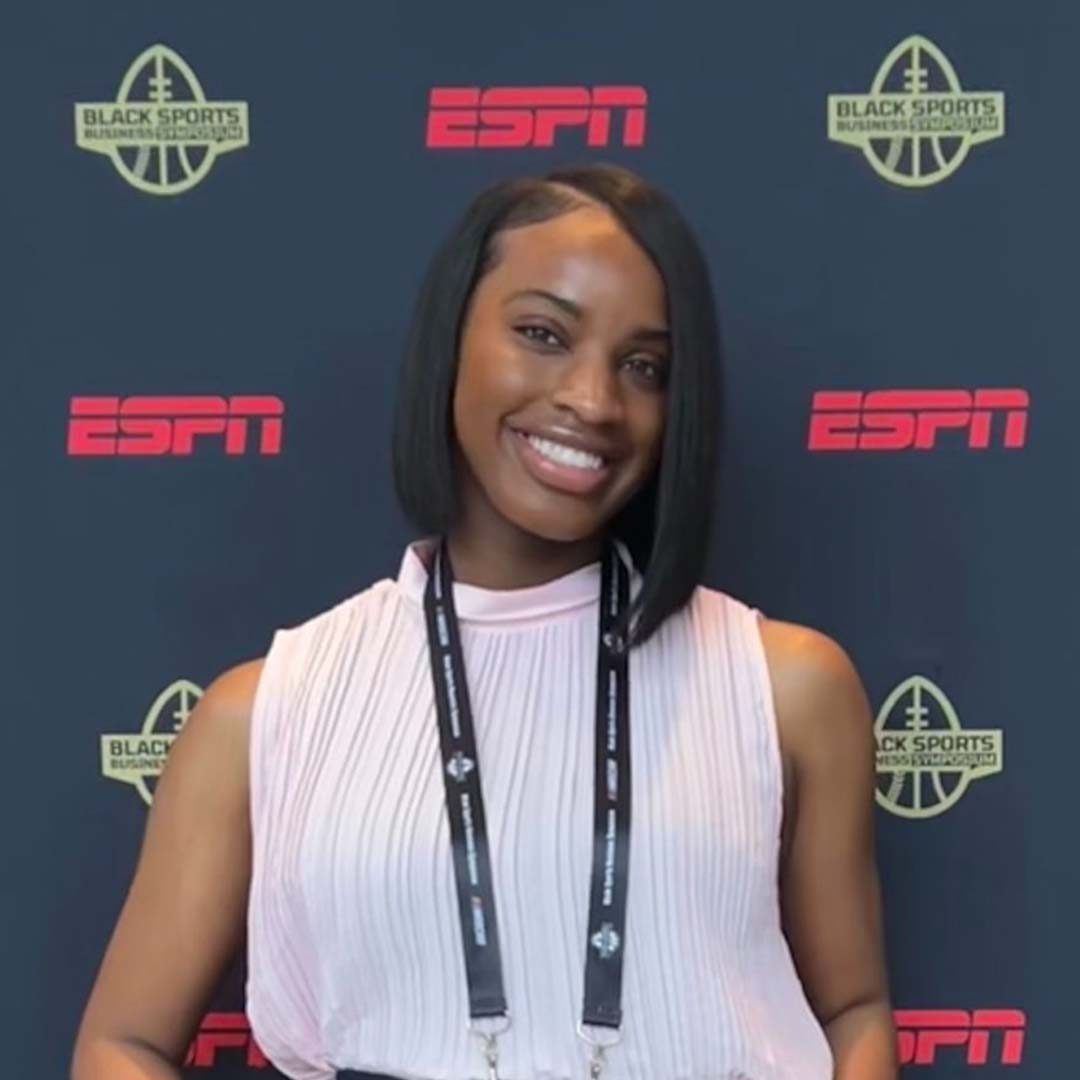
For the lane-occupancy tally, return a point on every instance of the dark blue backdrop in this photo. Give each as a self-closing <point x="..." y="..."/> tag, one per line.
<point x="290" y="270"/>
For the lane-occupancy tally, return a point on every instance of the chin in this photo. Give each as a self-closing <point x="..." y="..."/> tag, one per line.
<point x="561" y="528"/>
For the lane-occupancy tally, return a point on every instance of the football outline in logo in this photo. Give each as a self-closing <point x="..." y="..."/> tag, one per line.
<point x="949" y="755"/>
<point x="949" y="120"/>
<point x="178" y="128"/>
<point x="137" y="762"/>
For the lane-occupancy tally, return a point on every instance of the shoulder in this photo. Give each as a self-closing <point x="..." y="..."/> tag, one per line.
<point x="207" y="766"/>
<point x="814" y="681"/>
<point x="299" y="642"/>
<point x="819" y="698"/>
<point x="804" y="659"/>
<point x="232" y="692"/>
<point x="367" y="602"/>
<point x="216" y="737"/>
<point x="228" y="700"/>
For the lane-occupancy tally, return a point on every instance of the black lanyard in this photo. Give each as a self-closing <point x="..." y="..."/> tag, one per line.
<point x="606" y="935"/>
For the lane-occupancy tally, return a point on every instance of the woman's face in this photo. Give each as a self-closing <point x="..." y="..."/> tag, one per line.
<point x="561" y="390"/>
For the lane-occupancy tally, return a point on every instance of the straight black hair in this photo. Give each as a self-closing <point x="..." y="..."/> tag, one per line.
<point x="666" y="525"/>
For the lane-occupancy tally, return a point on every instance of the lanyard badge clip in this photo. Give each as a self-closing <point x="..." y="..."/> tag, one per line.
<point x="490" y="1042"/>
<point x="599" y="1047"/>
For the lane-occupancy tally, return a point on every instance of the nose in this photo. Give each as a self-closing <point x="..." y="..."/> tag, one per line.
<point x="589" y="387"/>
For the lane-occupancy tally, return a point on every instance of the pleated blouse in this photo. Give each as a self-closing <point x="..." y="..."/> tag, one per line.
<point x="354" y="944"/>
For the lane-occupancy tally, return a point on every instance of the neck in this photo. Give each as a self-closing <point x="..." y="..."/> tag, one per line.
<point x="513" y="559"/>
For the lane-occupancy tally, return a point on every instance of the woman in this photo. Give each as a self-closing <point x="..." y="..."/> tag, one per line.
<point x="710" y="910"/>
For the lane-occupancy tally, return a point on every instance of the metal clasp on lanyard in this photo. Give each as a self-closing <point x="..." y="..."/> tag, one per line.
<point x="490" y="1040"/>
<point x="599" y="1047"/>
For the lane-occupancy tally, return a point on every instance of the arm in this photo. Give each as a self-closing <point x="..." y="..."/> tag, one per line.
<point x="185" y="913"/>
<point x="829" y="888"/>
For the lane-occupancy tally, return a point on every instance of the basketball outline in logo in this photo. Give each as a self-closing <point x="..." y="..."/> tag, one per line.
<point x="884" y="123"/>
<point x="137" y="764"/>
<point x="907" y="754"/>
<point x="178" y="128"/>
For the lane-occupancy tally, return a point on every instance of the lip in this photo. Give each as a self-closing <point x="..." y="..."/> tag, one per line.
<point x="573" y="439"/>
<point x="564" y="478"/>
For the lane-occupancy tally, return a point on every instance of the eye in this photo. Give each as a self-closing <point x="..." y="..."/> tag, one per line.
<point x="527" y="330"/>
<point x="648" y="368"/>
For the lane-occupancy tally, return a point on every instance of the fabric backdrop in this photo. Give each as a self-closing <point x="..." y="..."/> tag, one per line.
<point x="215" y="221"/>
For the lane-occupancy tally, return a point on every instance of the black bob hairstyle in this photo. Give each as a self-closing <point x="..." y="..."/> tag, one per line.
<point x="666" y="524"/>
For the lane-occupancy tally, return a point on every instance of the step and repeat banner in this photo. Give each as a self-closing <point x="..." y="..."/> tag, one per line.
<point x="216" y="221"/>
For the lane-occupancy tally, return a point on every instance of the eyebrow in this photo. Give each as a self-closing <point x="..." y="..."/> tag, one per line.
<point x="645" y="333"/>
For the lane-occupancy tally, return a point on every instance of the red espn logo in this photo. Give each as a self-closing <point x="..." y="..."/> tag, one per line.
<point x="224" y="1031"/>
<point x="169" y="426"/>
<point x="516" y="116"/>
<point x="911" y="419"/>
<point x="922" y="1032"/>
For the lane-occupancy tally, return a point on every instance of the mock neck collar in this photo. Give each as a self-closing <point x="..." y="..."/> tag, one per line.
<point x="474" y="603"/>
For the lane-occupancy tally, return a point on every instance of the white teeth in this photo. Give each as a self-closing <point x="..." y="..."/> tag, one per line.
<point x="565" y="455"/>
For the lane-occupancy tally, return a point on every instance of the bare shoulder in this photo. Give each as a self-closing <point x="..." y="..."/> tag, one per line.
<point x="819" y="696"/>
<point x="211" y="750"/>
<point x="231" y="696"/>
<point x="210" y="755"/>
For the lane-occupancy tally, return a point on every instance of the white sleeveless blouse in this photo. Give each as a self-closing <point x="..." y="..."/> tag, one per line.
<point x="354" y="944"/>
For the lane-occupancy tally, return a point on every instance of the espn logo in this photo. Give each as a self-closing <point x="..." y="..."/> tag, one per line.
<point x="921" y="1033"/>
<point x="515" y="116"/>
<point x="169" y="426"/>
<point x="912" y="419"/>
<point x="224" y="1031"/>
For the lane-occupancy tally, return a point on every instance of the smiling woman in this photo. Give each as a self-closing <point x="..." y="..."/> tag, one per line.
<point x="556" y="309"/>
<point x="704" y="907"/>
<point x="552" y="352"/>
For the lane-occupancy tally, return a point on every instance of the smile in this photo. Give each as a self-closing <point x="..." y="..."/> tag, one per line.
<point x="562" y="467"/>
<point x="565" y="455"/>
